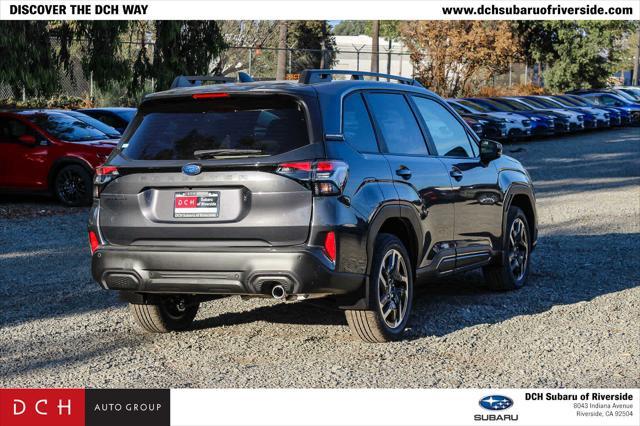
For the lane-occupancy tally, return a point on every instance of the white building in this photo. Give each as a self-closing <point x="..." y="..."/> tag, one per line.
<point x="349" y="59"/>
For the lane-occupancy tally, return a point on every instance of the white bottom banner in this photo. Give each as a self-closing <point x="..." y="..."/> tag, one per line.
<point x="396" y="407"/>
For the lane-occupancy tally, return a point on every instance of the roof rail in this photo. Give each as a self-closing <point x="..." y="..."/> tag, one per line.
<point x="320" y="75"/>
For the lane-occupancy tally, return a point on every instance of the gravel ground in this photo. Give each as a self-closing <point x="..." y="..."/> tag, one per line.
<point x="576" y="324"/>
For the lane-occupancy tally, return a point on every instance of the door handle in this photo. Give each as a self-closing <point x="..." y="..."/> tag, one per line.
<point x="456" y="173"/>
<point x="404" y="172"/>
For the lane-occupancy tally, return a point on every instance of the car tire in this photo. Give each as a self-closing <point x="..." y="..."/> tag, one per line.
<point x="512" y="271"/>
<point x="171" y="313"/>
<point x="72" y="185"/>
<point x="390" y="293"/>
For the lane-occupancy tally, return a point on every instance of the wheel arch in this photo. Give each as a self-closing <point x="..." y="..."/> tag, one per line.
<point x="522" y="196"/>
<point x="66" y="161"/>
<point x="398" y="220"/>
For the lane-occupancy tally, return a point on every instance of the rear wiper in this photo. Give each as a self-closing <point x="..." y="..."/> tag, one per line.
<point x="228" y="152"/>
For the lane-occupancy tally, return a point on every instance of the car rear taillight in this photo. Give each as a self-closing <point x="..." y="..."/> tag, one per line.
<point x="325" y="177"/>
<point x="104" y="175"/>
<point x="330" y="246"/>
<point x="94" y="243"/>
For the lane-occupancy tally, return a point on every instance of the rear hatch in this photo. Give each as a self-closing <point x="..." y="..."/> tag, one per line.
<point x="202" y="172"/>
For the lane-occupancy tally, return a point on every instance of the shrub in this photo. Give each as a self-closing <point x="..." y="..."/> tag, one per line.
<point x="61" y="101"/>
<point x="515" y="90"/>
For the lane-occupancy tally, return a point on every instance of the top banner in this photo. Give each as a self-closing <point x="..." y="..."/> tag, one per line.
<point x="319" y="9"/>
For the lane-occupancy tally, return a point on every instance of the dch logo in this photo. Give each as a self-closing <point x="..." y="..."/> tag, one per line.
<point x="42" y="407"/>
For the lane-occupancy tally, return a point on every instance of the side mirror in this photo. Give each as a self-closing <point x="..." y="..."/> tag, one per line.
<point x="27" y="139"/>
<point x="489" y="150"/>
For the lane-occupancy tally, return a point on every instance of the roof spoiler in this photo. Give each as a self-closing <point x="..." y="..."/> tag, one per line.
<point x="323" y="76"/>
<point x="199" y="80"/>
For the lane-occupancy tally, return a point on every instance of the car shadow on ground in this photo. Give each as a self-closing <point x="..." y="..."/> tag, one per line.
<point x="20" y="206"/>
<point x="443" y="306"/>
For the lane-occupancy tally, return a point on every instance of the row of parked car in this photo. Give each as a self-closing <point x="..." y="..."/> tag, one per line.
<point x="514" y="117"/>
<point x="57" y="151"/>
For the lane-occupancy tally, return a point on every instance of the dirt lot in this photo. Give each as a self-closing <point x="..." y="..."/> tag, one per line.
<point x="576" y="324"/>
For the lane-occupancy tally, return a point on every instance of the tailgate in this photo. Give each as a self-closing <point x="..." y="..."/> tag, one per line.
<point x="216" y="208"/>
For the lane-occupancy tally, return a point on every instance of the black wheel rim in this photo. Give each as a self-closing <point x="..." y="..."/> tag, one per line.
<point x="518" y="254"/>
<point x="72" y="188"/>
<point x="393" y="289"/>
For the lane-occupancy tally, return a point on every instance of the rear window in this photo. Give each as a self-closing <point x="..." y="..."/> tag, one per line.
<point x="258" y="124"/>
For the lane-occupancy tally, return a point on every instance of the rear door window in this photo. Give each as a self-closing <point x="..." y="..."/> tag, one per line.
<point x="447" y="133"/>
<point x="397" y="124"/>
<point x="357" y="129"/>
<point x="261" y="125"/>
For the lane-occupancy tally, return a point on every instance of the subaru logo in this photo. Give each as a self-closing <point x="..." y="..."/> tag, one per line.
<point x="496" y="402"/>
<point x="191" y="169"/>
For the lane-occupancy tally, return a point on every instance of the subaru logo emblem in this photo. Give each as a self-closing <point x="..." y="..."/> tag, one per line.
<point x="191" y="169"/>
<point x="496" y="402"/>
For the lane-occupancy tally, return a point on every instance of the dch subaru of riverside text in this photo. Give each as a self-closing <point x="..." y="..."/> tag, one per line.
<point x="350" y="189"/>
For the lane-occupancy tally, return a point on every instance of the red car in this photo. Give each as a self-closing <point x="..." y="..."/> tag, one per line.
<point x="50" y="151"/>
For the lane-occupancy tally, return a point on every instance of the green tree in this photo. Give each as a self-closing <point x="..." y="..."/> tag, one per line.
<point x="184" y="48"/>
<point x="313" y="35"/>
<point x="101" y="50"/>
<point x="117" y="54"/>
<point x="352" y="28"/>
<point x="29" y="60"/>
<point x="576" y="54"/>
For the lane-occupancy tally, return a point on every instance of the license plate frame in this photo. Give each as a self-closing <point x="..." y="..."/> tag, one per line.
<point x="196" y="204"/>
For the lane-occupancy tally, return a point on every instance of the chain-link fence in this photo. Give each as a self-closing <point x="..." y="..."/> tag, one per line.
<point x="261" y="63"/>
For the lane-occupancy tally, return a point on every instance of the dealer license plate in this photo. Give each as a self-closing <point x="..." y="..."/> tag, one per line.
<point x="198" y="204"/>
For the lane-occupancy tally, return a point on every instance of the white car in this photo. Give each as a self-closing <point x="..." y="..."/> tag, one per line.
<point x="514" y="125"/>
<point x="575" y="118"/>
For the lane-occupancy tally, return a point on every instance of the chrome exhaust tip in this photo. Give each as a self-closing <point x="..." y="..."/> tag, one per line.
<point x="278" y="292"/>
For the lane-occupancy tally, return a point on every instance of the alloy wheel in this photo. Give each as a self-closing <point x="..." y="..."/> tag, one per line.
<point x="71" y="187"/>
<point x="518" y="254"/>
<point x="393" y="288"/>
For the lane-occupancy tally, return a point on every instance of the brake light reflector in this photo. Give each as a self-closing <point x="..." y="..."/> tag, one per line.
<point x="324" y="166"/>
<point x="106" y="170"/>
<point x="93" y="241"/>
<point x="326" y="177"/>
<point x="104" y="175"/>
<point x="330" y="246"/>
<point x="304" y="166"/>
<point x="210" y="95"/>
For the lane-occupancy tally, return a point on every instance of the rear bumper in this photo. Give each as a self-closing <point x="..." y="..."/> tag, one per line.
<point x="302" y="270"/>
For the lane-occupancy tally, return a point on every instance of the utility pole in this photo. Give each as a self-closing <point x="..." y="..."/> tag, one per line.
<point x="281" y="69"/>
<point x="636" y="63"/>
<point x="375" y="45"/>
<point x="389" y="55"/>
<point x="323" y="48"/>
